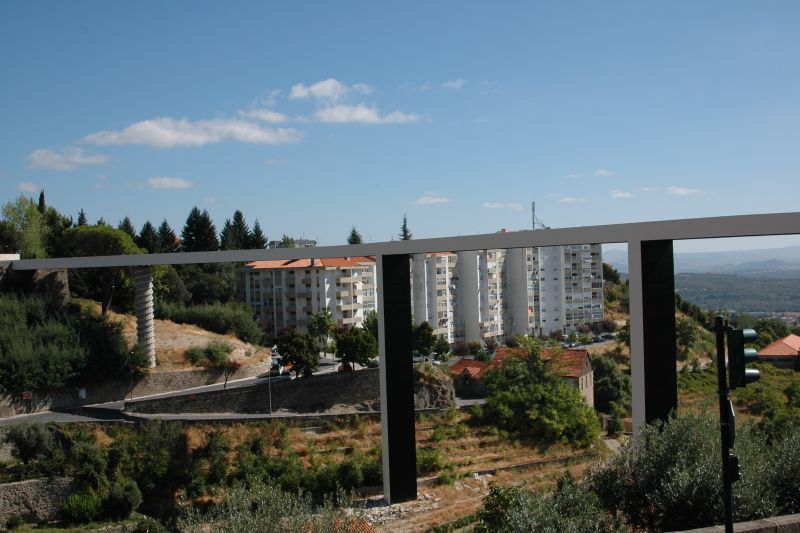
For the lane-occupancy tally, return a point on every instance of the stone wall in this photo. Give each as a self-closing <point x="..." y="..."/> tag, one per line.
<point x="34" y="500"/>
<point x="359" y="390"/>
<point x="151" y="383"/>
<point x="777" y="524"/>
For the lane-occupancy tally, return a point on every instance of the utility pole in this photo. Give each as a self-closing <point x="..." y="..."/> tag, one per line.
<point x="725" y="423"/>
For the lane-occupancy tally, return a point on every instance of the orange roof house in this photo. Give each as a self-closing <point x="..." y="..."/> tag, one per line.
<point x="784" y="353"/>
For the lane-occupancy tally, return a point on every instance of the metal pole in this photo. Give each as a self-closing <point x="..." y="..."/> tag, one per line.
<point x="725" y="424"/>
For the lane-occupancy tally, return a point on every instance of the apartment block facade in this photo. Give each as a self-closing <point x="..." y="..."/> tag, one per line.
<point x="493" y="293"/>
<point x="285" y="293"/>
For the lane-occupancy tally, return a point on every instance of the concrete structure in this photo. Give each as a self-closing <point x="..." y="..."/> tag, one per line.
<point x="486" y="294"/>
<point x="284" y="293"/>
<point x="651" y="300"/>
<point x="298" y="243"/>
<point x="143" y="301"/>
<point x="783" y="353"/>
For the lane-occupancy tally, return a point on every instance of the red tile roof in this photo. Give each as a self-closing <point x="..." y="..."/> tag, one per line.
<point x="568" y="363"/>
<point x="475" y="369"/>
<point x="786" y="347"/>
<point x="307" y="263"/>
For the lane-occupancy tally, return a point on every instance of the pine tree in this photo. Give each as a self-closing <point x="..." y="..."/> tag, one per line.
<point x="127" y="226"/>
<point x="257" y="238"/>
<point x="42" y="203"/>
<point x="241" y="231"/>
<point x="354" y="237"/>
<point x="82" y="218"/>
<point x="405" y="235"/>
<point x="286" y="242"/>
<point x="167" y="240"/>
<point x="147" y="238"/>
<point x="101" y="222"/>
<point x="227" y="240"/>
<point x="199" y="233"/>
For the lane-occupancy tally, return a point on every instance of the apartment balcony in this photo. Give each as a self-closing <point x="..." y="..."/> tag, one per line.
<point x="346" y="279"/>
<point x="351" y="306"/>
<point x="339" y="294"/>
<point x="349" y="321"/>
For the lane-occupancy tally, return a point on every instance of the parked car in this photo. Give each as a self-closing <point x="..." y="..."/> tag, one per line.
<point x="276" y="369"/>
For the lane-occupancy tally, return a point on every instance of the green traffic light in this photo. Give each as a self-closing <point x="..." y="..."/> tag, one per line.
<point x="739" y="356"/>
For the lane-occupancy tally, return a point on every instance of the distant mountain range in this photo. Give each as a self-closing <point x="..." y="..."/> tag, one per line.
<point x="782" y="263"/>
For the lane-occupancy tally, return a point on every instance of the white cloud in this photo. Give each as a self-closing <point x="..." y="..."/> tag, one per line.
<point x="683" y="191"/>
<point x="572" y="200"/>
<point x="65" y="159"/>
<point x="454" y="84"/>
<point x="169" y="132"/>
<point x="621" y="194"/>
<point x="209" y="200"/>
<point x="648" y="189"/>
<point x="27" y="186"/>
<point x="500" y="205"/>
<point x="363" y="114"/>
<point x="168" y="182"/>
<point x="264" y="114"/>
<point x="604" y="172"/>
<point x="431" y="198"/>
<point x="330" y="89"/>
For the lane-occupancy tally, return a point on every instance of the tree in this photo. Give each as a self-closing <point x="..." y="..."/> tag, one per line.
<point x="441" y="346"/>
<point x="298" y="350"/>
<point x="405" y="235"/>
<point x="199" y="233"/>
<point x="42" y="204"/>
<point x="685" y="335"/>
<point x="257" y="239"/>
<point x="354" y="237"/>
<point x="241" y="231"/>
<point x="82" y="218"/>
<point x="87" y="241"/>
<point x="422" y="338"/>
<point x="370" y="323"/>
<point x="320" y="325"/>
<point x="286" y="242"/>
<point x="148" y="239"/>
<point x="127" y="226"/>
<point x="56" y="224"/>
<point x="167" y="240"/>
<point x="26" y="226"/>
<point x="230" y="367"/>
<point x="624" y="335"/>
<point x="610" y="274"/>
<point x="9" y="239"/>
<point x="355" y="346"/>
<point x="611" y="385"/>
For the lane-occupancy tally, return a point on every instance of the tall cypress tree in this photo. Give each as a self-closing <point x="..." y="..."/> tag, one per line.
<point x="147" y="238"/>
<point x="42" y="203"/>
<point x="127" y="226"/>
<point x="257" y="238"/>
<point x="405" y="235"/>
<point x="167" y="240"/>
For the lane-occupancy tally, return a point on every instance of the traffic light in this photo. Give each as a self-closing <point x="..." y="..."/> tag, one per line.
<point x="739" y="356"/>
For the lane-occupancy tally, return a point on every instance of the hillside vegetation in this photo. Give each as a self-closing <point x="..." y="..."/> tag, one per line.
<point x="747" y="294"/>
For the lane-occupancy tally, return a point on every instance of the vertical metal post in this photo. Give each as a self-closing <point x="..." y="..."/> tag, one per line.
<point x="396" y="379"/>
<point x="725" y="425"/>
<point x="143" y="301"/>
<point x="653" y="342"/>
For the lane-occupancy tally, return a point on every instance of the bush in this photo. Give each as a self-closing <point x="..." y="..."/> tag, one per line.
<point x="123" y="498"/>
<point x="230" y="318"/>
<point x="215" y="354"/>
<point x="81" y="507"/>
<point x="429" y="460"/>
<point x="350" y="474"/>
<point x="14" y="521"/>
<point x="90" y="463"/>
<point x="373" y="473"/>
<point x="149" y="525"/>
<point x="30" y="441"/>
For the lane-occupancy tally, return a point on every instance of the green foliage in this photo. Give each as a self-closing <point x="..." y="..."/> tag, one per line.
<point x="669" y="478"/>
<point x="430" y="460"/>
<point x="109" y="354"/>
<point x="81" y="507"/>
<point x="441" y="347"/>
<point x="199" y="233"/>
<point x="405" y="235"/>
<point x="686" y="335"/>
<point x="257" y="239"/>
<point x="422" y="338"/>
<point x="354" y="237"/>
<point x="149" y="525"/>
<point x="527" y="400"/>
<point x="25" y="230"/>
<point x="370" y="323"/>
<point x="90" y="463"/>
<point x="148" y="239"/>
<point x="771" y="329"/>
<point x="611" y="384"/>
<point x="355" y="345"/>
<point x="31" y="441"/>
<point x="230" y="318"/>
<point x="298" y="349"/>
<point x="13" y="522"/>
<point x="321" y="325"/>
<point x="571" y="507"/>
<point x="123" y="498"/>
<point x="235" y="235"/>
<point x="610" y="274"/>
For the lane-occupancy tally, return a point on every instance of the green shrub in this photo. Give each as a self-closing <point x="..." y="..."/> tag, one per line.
<point x="429" y="460"/>
<point x="14" y="521"/>
<point x="90" y="463"/>
<point x="230" y="318"/>
<point x="195" y="355"/>
<point x="373" y="473"/>
<point x="81" y="507"/>
<point x="123" y="498"/>
<point x="31" y="441"/>
<point x="350" y="474"/>
<point x="217" y="352"/>
<point x="149" y="525"/>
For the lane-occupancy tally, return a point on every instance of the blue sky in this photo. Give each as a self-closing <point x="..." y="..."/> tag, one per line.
<point x="315" y="116"/>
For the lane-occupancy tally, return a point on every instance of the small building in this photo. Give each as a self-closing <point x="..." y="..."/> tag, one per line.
<point x="783" y="353"/>
<point x="467" y="377"/>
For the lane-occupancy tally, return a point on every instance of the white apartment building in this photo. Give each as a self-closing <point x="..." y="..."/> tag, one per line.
<point x="283" y="293"/>
<point x="493" y="293"/>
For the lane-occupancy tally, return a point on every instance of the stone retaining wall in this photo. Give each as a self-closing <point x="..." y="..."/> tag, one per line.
<point x="151" y="383"/>
<point x="34" y="500"/>
<point x="359" y="389"/>
<point x="778" y="524"/>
